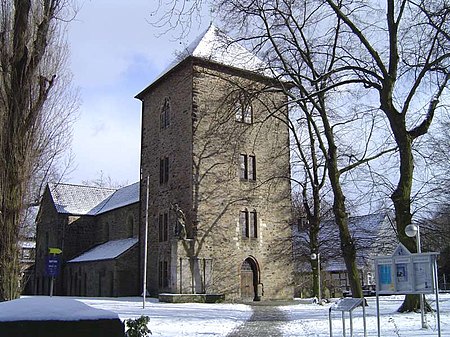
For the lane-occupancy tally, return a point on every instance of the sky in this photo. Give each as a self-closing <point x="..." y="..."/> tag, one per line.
<point x="115" y="52"/>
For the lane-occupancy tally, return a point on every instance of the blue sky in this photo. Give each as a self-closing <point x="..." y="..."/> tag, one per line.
<point x="115" y="53"/>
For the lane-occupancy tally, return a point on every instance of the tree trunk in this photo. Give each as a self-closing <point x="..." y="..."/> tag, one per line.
<point x="24" y="91"/>
<point x="347" y="244"/>
<point x="314" y="246"/>
<point x="11" y="200"/>
<point x="401" y="197"/>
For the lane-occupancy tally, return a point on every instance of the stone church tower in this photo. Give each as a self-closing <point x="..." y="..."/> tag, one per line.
<point x="216" y="152"/>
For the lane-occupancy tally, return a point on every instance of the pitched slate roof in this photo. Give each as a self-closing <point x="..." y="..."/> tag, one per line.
<point x="122" y="197"/>
<point x="88" y="200"/>
<point x="107" y="251"/>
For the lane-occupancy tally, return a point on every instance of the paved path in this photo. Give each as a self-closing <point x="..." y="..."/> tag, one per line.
<point x="264" y="322"/>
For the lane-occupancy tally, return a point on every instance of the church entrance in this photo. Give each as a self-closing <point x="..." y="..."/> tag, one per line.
<point x="249" y="280"/>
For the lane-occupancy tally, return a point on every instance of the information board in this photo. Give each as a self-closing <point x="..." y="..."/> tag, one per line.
<point x="423" y="274"/>
<point x="405" y="273"/>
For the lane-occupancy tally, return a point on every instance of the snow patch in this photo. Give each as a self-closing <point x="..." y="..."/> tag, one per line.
<point x="41" y="308"/>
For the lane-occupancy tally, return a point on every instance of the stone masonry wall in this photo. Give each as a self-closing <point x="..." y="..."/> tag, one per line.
<point x="118" y="224"/>
<point x="175" y="143"/>
<point x="218" y="142"/>
<point x="117" y="277"/>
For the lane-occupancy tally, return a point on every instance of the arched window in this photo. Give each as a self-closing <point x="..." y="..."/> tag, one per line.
<point x="247" y="167"/>
<point x="253" y="224"/>
<point x="243" y="222"/>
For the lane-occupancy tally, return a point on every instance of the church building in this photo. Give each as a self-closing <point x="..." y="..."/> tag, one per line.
<point x="213" y="198"/>
<point x="215" y="157"/>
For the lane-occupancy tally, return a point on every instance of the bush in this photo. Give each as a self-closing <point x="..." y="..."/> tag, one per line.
<point x="138" y="327"/>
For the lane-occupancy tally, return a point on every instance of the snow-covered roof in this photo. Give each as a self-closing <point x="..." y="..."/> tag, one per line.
<point x="122" y="197"/>
<point x="107" y="251"/>
<point x="89" y="200"/>
<point x="213" y="45"/>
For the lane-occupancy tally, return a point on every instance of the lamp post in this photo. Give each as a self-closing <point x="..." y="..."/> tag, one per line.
<point x="315" y="256"/>
<point x="414" y="231"/>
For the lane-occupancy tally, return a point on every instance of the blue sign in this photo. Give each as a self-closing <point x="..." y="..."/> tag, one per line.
<point x="52" y="265"/>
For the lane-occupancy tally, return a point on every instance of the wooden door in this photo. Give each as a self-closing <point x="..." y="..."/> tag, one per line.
<point x="247" y="281"/>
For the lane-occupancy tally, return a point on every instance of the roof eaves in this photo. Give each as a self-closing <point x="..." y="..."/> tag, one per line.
<point x="250" y="73"/>
<point x="116" y="208"/>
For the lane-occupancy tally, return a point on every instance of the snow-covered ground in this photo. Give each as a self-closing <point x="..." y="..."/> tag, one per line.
<point x="306" y="320"/>
<point x="180" y="319"/>
<point x="312" y="320"/>
<point x="309" y="320"/>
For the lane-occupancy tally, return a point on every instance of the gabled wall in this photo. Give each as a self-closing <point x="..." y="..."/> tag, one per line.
<point x="50" y="232"/>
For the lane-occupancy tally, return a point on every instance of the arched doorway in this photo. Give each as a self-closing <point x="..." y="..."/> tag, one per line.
<point x="250" y="280"/>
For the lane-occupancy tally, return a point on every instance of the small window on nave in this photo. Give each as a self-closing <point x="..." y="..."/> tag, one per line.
<point x="130" y="226"/>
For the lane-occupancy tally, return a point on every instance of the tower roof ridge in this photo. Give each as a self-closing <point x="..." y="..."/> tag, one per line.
<point x="215" y="46"/>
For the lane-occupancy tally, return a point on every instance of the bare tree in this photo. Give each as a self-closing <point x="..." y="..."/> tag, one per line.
<point x="309" y="232"/>
<point x="33" y="117"/>
<point x="312" y="161"/>
<point x="289" y="35"/>
<point x="396" y="52"/>
<point x="177" y="15"/>
<point x="402" y="56"/>
<point x="104" y="180"/>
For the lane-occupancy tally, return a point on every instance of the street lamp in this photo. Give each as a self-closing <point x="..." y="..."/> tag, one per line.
<point x="315" y="256"/>
<point x="414" y="231"/>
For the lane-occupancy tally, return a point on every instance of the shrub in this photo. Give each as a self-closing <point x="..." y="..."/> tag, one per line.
<point x="138" y="327"/>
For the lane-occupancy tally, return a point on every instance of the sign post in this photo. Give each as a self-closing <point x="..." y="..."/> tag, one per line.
<point x="52" y="265"/>
<point x="144" y="280"/>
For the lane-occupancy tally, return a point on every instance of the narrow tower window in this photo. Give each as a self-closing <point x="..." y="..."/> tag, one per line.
<point x="165" y="114"/>
<point x="243" y="109"/>
<point x="164" y="170"/>
<point x="247" y="167"/>
<point x="243" y="222"/>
